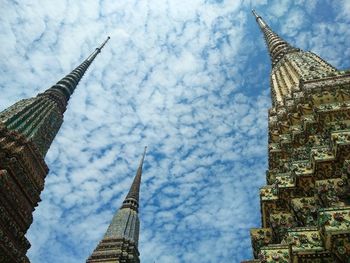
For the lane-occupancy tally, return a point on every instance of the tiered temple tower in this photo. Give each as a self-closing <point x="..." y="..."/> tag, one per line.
<point x="27" y="130"/>
<point x="305" y="205"/>
<point x="120" y="242"/>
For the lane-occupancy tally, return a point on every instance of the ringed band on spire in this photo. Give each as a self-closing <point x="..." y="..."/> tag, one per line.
<point x="67" y="85"/>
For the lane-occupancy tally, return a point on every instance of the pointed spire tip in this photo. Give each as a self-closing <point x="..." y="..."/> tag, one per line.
<point x="273" y="40"/>
<point x="255" y="14"/>
<point x="134" y="191"/>
<point x="104" y="43"/>
<point x="143" y="156"/>
<point x="97" y="50"/>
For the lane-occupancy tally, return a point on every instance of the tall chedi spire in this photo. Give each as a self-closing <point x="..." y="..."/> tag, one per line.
<point x="290" y="65"/>
<point x="38" y="119"/>
<point x="305" y="208"/>
<point x="120" y="242"/>
<point x="27" y="130"/>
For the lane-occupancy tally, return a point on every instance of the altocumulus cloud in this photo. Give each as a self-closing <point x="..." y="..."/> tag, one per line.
<point x="187" y="78"/>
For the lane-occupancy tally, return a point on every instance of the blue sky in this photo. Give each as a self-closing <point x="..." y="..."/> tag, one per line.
<point x="190" y="79"/>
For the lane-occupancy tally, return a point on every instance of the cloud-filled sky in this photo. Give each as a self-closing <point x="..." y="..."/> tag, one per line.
<point x="190" y="79"/>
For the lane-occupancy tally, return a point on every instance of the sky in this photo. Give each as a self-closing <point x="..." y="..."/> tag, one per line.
<point x="189" y="79"/>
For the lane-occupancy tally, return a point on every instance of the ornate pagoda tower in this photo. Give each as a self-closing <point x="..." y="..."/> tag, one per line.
<point x="27" y="130"/>
<point x="305" y="205"/>
<point x="120" y="242"/>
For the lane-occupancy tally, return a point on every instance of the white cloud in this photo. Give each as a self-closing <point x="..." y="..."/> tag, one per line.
<point x="342" y="8"/>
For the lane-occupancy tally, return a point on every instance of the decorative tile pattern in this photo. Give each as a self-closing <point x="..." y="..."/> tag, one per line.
<point x="276" y="253"/>
<point x="260" y="237"/>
